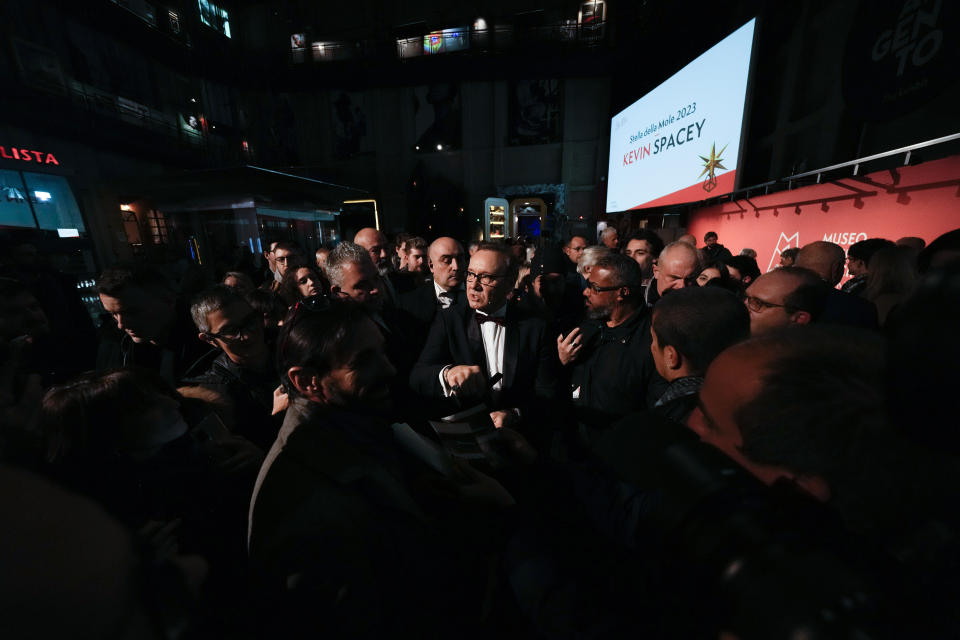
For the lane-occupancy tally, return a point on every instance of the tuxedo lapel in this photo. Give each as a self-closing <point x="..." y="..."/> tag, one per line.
<point x="511" y="346"/>
<point x="474" y="341"/>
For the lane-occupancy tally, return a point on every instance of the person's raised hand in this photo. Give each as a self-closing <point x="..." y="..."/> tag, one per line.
<point x="568" y="348"/>
<point x="465" y="380"/>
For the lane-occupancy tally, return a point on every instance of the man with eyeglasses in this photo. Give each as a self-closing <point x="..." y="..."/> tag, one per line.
<point x="244" y="372"/>
<point x="607" y="359"/>
<point x="487" y="350"/>
<point x="786" y="296"/>
<point x="285" y="256"/>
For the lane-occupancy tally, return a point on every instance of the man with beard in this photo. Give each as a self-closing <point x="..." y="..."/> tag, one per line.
<point x="351" y="533"/>
<point x="607" y="358"/>
<point x="376" y="244"/>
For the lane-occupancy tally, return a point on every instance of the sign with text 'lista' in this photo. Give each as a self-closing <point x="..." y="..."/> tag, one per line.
<point x="681" y="142"/>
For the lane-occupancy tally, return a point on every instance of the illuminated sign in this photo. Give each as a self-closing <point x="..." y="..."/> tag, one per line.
<point x="27" y="155"/>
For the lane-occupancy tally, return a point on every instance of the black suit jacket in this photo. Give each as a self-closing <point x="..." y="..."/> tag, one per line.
<point x="848" y="309"/>
<point x="530" y="359"/>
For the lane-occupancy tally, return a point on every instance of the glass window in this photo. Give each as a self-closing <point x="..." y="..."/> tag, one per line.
<point x="214" y="16"/>
<point x="54" y="202"/>
<point x="14" y="208"/>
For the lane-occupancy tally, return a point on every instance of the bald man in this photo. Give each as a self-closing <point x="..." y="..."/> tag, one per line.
<point x="689" y="239"/>
<point x="676" y="268"/>
<point x="377" y="246"/>
<point x="827" y="260"/>
<point x="448" y="267"/>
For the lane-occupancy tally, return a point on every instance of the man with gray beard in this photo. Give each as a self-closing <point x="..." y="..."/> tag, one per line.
<point x="608" y="358"/>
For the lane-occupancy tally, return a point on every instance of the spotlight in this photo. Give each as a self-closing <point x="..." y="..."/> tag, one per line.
<point x="416" y="148"/>
<point x="439" y="147"/>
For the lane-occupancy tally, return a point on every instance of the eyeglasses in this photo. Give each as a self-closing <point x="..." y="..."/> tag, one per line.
<point x="593" y="287"/>
<point x="246" y="326"/>
<point x="486" y="279"/>
<point x="756" y="305"/>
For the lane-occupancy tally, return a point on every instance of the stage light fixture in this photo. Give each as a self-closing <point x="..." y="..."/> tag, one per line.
<point x="439" y="147"/>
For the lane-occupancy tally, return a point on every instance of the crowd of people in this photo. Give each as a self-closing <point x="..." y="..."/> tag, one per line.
<point x="516" y="439"/>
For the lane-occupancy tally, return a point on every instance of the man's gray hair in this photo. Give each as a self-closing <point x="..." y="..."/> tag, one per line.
<point x="213" y="299"/>
<point x="345" y="253"/>
<point x="590" y="256"/>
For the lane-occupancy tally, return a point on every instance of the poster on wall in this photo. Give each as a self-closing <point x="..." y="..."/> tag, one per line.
<point x="350" y="133"/>
<point x="682" y="141"/>
<point x="534" y="112"/>
<point x="436" y="113"/>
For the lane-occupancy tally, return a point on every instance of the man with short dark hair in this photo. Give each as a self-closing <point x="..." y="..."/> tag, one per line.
<point x="345" y="534"/>
<point x="787" y="296"/>
<point x="489" y="350"/>
<point x="244" y="371"/>
<point x="644" y="247"/>
<point x="157" y="332"/>
<point x="789" y="256"/>
<point x="286" y="255"/>
<point x="690" y="328"/>
<point x="858" y="260"/>
<point x="743" y="269"/>
<point x="607" y="359"/>
<point x="712" y="250"/>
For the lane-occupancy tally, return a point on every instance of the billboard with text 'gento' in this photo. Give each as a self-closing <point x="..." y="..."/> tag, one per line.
<point x="682" y="141"/>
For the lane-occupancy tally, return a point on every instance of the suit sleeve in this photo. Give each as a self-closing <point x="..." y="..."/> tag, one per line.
<point x="425" y="375"/>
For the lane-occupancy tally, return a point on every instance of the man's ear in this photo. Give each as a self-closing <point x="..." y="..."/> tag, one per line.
<point x="307" y="383"/>
<point x="335" y="290"/>
<point x="801" y="317"/>
<point x="205" y="338"/>
<point x="672" y="357"/>
<point x="656" y="268"/>
<point x="623" y="293"/>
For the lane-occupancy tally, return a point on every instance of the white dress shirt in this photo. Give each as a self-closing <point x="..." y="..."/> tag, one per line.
<point x="494" y="340"/>
<point x="445" y="302"/>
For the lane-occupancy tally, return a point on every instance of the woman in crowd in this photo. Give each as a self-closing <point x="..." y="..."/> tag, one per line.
<point x="303" y="284"/>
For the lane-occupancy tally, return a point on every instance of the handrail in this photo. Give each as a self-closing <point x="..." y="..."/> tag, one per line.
<point x="886" y="154"/>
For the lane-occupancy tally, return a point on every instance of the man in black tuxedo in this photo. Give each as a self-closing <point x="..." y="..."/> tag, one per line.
<point x="419" y="307"/>
<point x="469" y="344"/>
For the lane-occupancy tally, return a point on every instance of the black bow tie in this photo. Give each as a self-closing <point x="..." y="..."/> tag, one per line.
<point x="496" y="320"/>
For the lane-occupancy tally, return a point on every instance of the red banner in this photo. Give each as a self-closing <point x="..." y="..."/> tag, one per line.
<point x="922" y="201"/>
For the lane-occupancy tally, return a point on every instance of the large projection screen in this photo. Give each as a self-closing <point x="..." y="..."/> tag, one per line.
<point x="682" y="141"/>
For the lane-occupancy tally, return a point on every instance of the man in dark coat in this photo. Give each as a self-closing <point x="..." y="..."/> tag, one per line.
<point x="445" y="259"/>
<point x="608" y="363"/>
<point x="346" y="537"/>
<point x="826" y="259"/>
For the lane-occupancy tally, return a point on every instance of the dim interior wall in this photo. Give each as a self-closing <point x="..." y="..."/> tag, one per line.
<point x="484" y="160"/>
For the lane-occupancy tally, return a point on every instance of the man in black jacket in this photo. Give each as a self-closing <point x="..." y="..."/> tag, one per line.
<point x="445" y="259"/>
<point x="690" y="328"/>
<point x="351" y="534"/>
<point x="471" y="344"/>
<point x="244" y="372"/>
<point x="607" y="359"/>
<point x="826" y="259"/>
